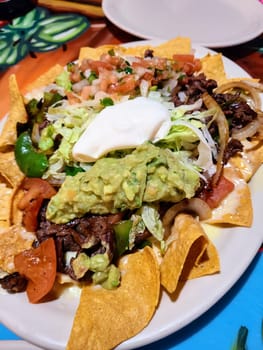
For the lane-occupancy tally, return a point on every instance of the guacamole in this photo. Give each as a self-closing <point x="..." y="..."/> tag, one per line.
<point x="149" y="174"/>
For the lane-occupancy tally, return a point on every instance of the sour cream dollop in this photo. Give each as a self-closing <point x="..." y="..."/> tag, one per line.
<point x="124" y="125"/>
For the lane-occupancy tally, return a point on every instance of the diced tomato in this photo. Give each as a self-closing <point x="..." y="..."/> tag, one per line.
<point x="184" y="57"/>
<point x="39" y="266"/>
<point x="214" y="197"/>
<point x="96" y="66"/>
<point x="126" y="85"/>
<point x="72" y="98"/>
<point x="36" y="190"/>
<point x="30" y="214"/>
<point x="187" y="63"/>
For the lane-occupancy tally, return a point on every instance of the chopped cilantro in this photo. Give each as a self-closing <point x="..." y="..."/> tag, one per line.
<point x="128" y="70"/>
<point x="111" y="52"/>
<point x="92" y="76"/>
<point x="106" y="101"/>
<point x="73" y="170"/>
<point x="70" y="66"/>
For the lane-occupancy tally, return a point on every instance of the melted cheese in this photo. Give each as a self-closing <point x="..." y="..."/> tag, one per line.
<point x="121" y="126"/>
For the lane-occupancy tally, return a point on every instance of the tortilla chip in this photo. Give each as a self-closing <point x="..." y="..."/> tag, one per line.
<point x="10" y="170"/>
<point x="106" y="318"/>
<point x="236" y="208"/>
<point x="17" y="114"/>
<point x="187" y="248"/>
<point x="95" y="53"/>
<point x="16" y="214"/>
<point x="207" y="264"/>
<point x="6" y="194"/>
<point x="178" y="45"/>
<point x="250" y="159"/>
<point x="213" y="67"/>
<point x="46" y="78"/>
<point x="13" y="241"/>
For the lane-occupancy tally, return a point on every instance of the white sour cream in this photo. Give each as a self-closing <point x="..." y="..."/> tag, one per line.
<point x="121" y="126"/>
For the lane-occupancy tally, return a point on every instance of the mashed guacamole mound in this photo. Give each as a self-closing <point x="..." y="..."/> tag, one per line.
<point x="149" y="174"/>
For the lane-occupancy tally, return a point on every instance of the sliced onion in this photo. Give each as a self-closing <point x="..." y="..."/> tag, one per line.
<point x="144" y="87"/>
<point x="247" y="131"/>
<point x="77" y="87"/>
<point x="170" y="84"/>
<point x="204" y="160"/>
<point x="255" y="84"/>
<point x="196" y="106"/>
<point x="223" y="130"/>
<point x="35" y="133"/>
<point x="252" y="90"/>
<point x="193" y="205"/>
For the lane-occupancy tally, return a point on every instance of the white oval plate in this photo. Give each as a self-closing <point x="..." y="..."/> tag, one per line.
<point x="210" y="23"/>
<point x="48" y="325"/>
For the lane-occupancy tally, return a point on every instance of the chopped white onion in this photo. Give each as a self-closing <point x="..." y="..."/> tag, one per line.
<point x="204" y="160"/>
<point x="247" y="131"/>
<point x="194" y="205"/>
<point x="77" y="87"/>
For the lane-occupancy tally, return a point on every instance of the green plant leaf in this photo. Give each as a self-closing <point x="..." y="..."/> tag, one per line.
<point x="5" y="52"/>
<point x="12" y="49"/>
<point x="241" y="340"/>
<point x="13" y="54"/>
<point x="42" y="46"/>
<point x="38" y="31"/>
<point x="61" y="28"/>
<point x="30" y="19"/>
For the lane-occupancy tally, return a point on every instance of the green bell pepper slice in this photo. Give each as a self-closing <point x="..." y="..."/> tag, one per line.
<point x="30" y="162"/>
<point x="122" y="231"/>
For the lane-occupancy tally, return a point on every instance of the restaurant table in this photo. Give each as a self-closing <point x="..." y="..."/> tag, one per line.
<point x="242" y="306"/>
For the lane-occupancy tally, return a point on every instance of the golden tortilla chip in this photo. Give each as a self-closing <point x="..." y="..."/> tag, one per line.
<point x="16" y="214"/>
<point x="187" y="248"/>
<point x="213" y="67"/>
<point x="6" y="194"/>
<point x="105" y="318"/>
<point x="17" y="114"/>
<point x="178" y="45"/>
<point x="10" y="170"/>
<point x="250" y="159"/>
<point x="94" y="53"/>
<point x="236" y="208"/>
<point x="207" y="264"/>
<point x="13" y="241"/>
<point x="46" y="78"/>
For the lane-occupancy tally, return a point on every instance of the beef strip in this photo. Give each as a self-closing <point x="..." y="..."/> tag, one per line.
<point x="233" y="147"/>
<point x="236" y="110"/>
<point x="193" y="87"/>
<point x="92" y="233"/>
<point x="149" y="53"/>
<point x="14" y="283"/>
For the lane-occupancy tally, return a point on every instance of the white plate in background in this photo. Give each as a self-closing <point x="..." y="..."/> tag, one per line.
<point x="210" y="23"/>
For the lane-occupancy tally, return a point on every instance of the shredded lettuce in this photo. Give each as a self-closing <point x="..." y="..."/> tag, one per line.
<point x="68" y="123"/>
<point x="63" y="80"/>
<point x="138" y="226"/>
<point x="188" y="133"/>
<point x="151" y="219"/>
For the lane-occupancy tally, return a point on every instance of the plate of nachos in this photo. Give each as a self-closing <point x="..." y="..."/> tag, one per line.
<point x="130" y="194"/>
